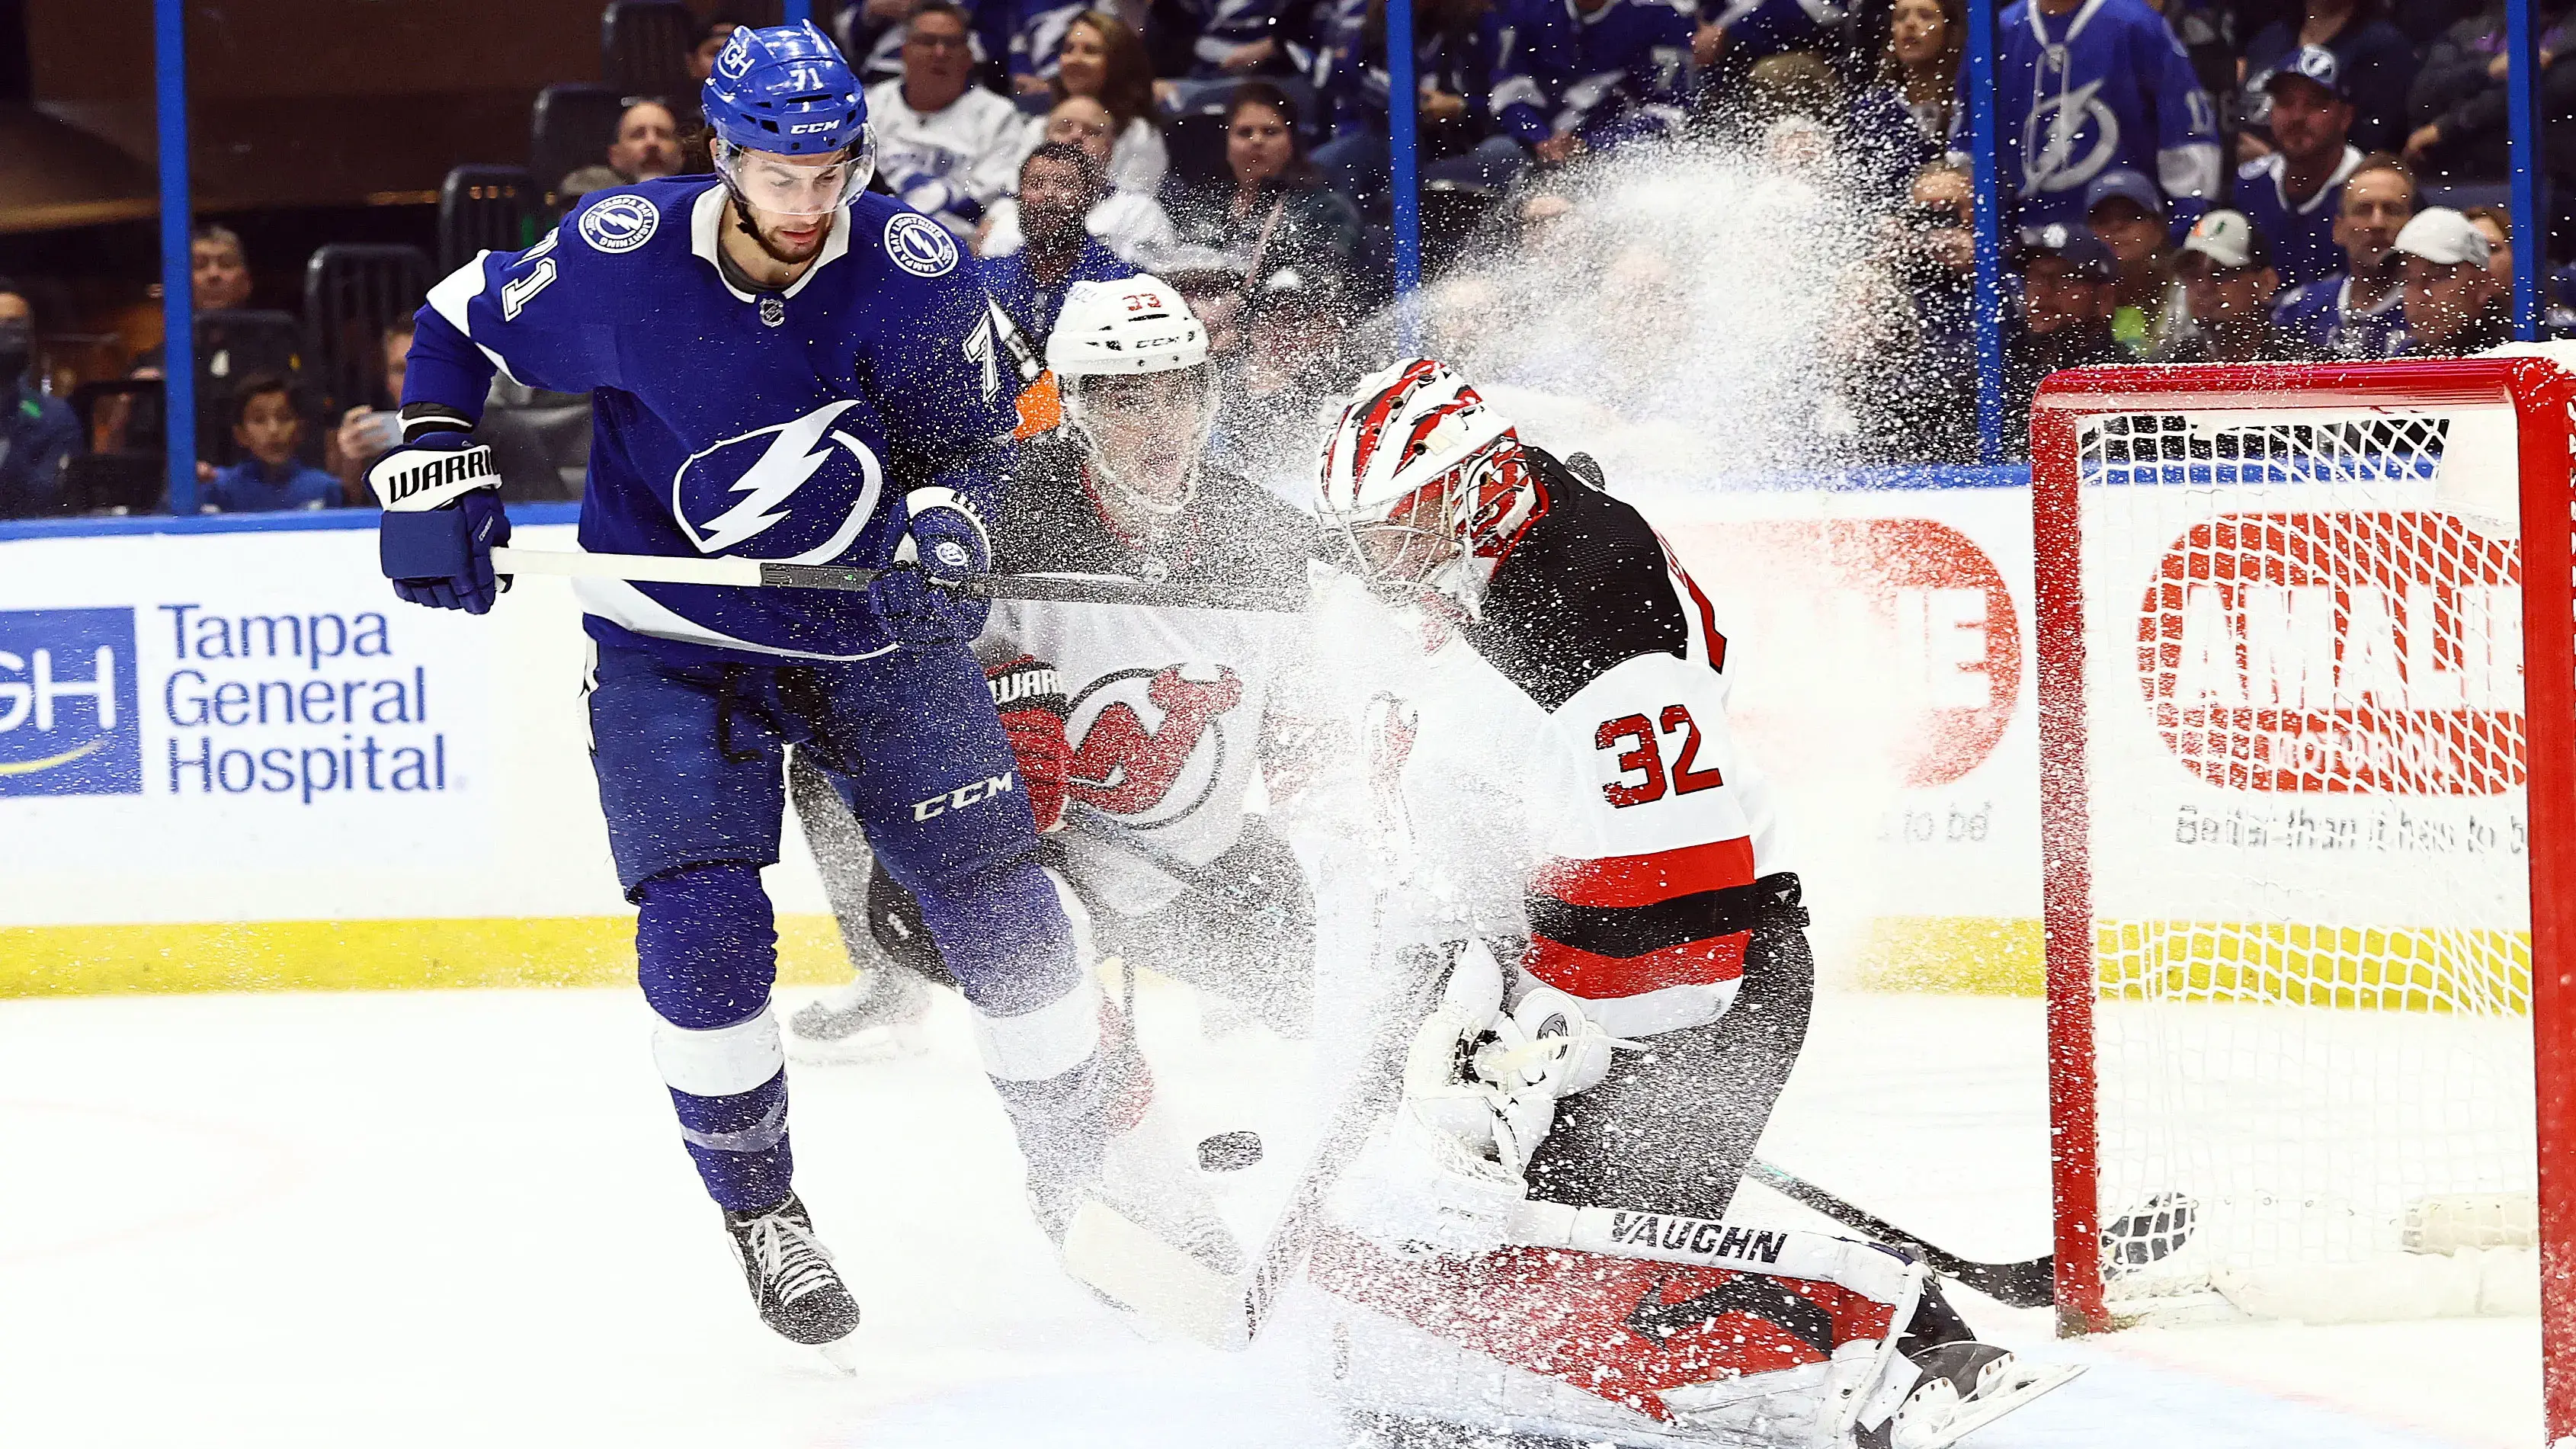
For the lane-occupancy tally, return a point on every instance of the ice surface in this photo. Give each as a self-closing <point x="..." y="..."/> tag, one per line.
<point x="463" y="1218"/>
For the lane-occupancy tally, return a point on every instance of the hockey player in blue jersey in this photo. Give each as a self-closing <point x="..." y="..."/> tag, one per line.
<point x="2087" y="86"/>
<point x="787" y="367"/>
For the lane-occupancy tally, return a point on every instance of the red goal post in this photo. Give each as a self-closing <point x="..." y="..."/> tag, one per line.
<point x="2300" y="555"/>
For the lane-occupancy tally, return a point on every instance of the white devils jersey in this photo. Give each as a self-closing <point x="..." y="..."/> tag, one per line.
<point x="1171" y="709"/>
<point x="1568" y="773"/>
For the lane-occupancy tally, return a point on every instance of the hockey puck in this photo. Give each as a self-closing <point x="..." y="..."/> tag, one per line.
<point x="1229" y="1151"/>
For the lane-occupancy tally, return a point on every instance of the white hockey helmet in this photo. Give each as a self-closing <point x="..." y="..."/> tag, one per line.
<point x="1145" y="443"/>
<point x="1426" y="483"/>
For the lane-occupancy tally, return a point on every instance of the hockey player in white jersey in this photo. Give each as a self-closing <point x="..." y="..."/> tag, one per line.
<point x="1530" y="1247"/>
<point x="1139" y="730"/>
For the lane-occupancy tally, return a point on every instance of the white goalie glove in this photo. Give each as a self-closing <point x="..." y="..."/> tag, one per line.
<point x="1443" y="1172"/>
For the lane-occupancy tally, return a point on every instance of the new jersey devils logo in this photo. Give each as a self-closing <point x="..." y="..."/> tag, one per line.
<point x="1152" y="774"/>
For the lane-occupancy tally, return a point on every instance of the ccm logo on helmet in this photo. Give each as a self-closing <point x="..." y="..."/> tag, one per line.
<point x="456" y="468"/>
<point x="816" y="126"/>
<point x="971" y="793"/>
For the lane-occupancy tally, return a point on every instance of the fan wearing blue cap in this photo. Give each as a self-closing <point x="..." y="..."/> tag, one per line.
<point x="2292" y="194"/>
<point x="2067" y="281"/>
<point x="784" y="367"/>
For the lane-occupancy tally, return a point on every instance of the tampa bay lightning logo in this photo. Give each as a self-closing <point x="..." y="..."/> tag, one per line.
<point x="785" y="485"/>
<point x="919" y="245"/>
<point x="620" y="223"/>
<point x="2068" y="140"/>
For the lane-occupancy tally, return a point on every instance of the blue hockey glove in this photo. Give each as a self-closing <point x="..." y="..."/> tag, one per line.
<point x="442" y="520"/>
<point x="943" y="547"/>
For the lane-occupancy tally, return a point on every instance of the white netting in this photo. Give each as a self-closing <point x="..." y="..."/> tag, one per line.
<point x="2308" y="838"/>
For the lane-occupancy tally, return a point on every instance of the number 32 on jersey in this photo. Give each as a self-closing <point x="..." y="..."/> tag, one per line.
<point x="1642" y="777"/>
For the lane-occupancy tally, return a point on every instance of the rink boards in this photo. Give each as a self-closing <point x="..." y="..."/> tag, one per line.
<point x="289" y="779"/>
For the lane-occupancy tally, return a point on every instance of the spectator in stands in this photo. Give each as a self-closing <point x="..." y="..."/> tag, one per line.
<point x="1743" y="31"/>
<point x="1875" y="143"/>
<point x="2454" y="305"/>
<point x="2496" y="225"/>
<point x="2102" y="85"/>
<point x="2357" y="314"/>
<point x="269" y="429"/>
<point x="2229" y="283"/>
<point x="2293" y="193"/>
<point x="368" y="431"/>
<point x="1127" y="222"/>
<point x="218" y="269"/>
<point x="1588" y="75"/>
<point x="1935" y="253"/>
<point x="1229" y="39"/>
<point x="2065" y="318"/>
<point x="647" y="145"/>
<point x="2458" y="102"/>
<point x="39" y="435"/>
<point x="1456" y="44"/>
<point x="1101" y="57"/>
<point x="1271" y="209"/>
<point x="1211" y="282"/>
<point x="2376" y="62"/>
<point x="1919" y="69"/>
<point x="2127" y="212"/>
<point x="1059" y="186"/>
<point x="709" y="44"/>
<point x="1292" y="370"/>
<point x="944" y="144"/>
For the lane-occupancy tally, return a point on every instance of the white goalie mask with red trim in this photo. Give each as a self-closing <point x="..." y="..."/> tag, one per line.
<point x="1427" y="485"/>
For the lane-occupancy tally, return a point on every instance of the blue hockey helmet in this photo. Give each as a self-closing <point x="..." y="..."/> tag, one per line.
<point x="785" y="90"/>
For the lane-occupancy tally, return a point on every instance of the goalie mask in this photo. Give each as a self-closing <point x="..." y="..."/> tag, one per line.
<point x="1131" y="363"/>
<point x="1427" y="485"/>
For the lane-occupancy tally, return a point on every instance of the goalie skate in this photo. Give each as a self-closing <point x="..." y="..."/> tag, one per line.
<point x="1966" y="1386"/>
<point x="877" y="1016"/>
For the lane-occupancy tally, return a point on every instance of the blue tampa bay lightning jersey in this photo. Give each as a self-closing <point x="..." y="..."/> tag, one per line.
<point x="2298" y="238"/>
<point x="2104" y="89"/>
<point x="786" y="425"/>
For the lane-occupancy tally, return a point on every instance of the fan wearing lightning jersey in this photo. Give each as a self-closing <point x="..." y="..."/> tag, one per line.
<point x="2084" y="87"/>
<point x="1573" y="835"/>
<point x="1139" y="728"/>
<point x="783" y="366"/>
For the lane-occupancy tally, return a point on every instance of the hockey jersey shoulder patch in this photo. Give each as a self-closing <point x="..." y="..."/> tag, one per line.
<point x="1586" y="590"/>
<point x="919" y="245"/>
<point x="619" y="222"/>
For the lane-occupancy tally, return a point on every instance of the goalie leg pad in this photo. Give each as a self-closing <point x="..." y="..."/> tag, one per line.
<point x="1625" y="1349"/>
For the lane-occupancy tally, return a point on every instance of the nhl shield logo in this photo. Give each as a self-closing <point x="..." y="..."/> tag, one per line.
<point x="919" y="245"/>
<point x="620" y="223"/>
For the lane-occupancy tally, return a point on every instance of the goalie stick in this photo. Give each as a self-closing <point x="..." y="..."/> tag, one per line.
<point x="752" y="573"/>
<point x="2154" y="1231"/>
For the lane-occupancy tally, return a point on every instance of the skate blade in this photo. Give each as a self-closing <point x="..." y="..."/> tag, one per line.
<point x="843" y="1353"/>
<point x="1164" y="1287"/>
<point x="2010" y="1390"/>
<point x="868" y="1044"/>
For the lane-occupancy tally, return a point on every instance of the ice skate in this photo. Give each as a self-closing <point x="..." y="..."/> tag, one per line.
<point x="792" y="1280"/>
<point x="877" y="1016"/>
<point x="1966" y="1386"/>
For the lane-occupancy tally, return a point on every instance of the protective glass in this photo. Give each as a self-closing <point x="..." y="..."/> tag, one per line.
<point x="794" y="185"/>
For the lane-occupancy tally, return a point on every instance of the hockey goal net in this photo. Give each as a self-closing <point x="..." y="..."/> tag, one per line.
<point x="2308" y="795"/>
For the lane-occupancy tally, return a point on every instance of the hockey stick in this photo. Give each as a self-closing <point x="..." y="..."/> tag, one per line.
<point x="1131" y="1266"/>
<point x="752" y="573"/>
<point x="2031" y="1283"/>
